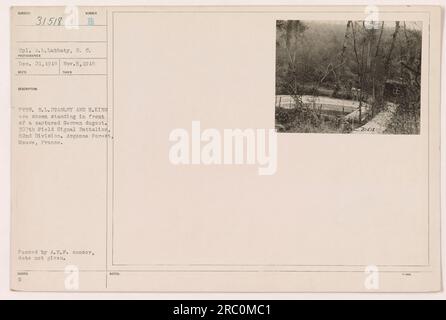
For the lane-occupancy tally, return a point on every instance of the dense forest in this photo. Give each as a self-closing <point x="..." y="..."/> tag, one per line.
<point x="374" y="64"/>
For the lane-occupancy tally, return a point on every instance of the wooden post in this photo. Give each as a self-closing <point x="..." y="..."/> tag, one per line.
<point x="360" y="112"/>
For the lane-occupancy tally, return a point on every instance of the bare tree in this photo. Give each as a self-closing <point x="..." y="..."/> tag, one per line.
<point x="389" y="58"/>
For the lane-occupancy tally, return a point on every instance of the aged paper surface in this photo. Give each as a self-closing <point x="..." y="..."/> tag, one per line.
<point x="123" y="179"/>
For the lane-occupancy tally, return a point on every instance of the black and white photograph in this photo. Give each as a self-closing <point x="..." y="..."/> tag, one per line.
<point x="348" y="76"/>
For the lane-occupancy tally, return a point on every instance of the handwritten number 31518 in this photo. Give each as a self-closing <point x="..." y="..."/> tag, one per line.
<point x="49" y="21"/>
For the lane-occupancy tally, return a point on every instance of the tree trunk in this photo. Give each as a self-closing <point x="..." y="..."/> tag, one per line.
<point x="389" y="58"/>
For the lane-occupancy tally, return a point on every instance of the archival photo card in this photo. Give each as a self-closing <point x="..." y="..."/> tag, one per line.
<point x="226" y="149"/>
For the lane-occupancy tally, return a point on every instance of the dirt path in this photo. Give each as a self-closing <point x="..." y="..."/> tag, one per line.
<point x="380" y="122"/>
